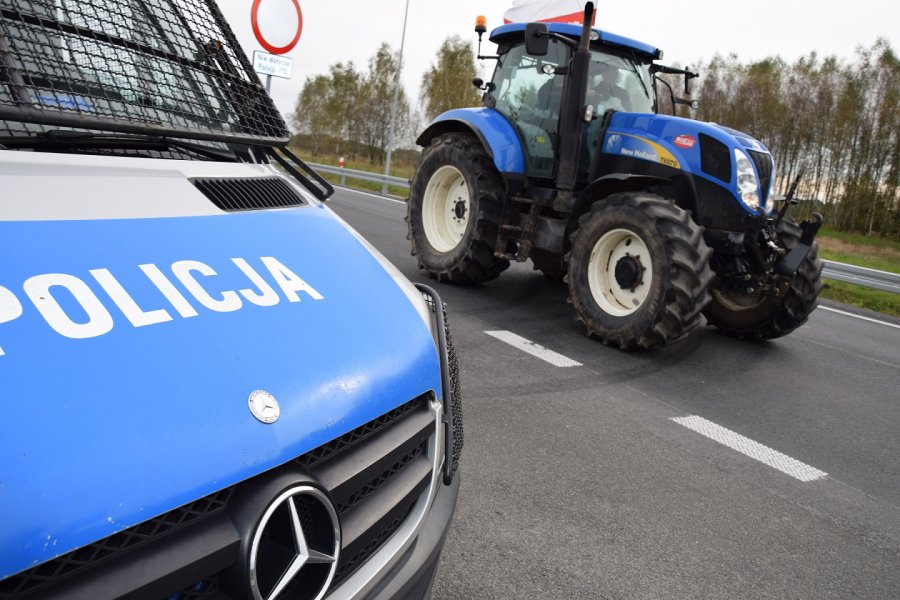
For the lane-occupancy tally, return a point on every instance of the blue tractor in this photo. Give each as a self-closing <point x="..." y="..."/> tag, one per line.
<point x="652" y="220"/>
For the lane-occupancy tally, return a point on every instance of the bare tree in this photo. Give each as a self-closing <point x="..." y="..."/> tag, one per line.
<point x="375" y="103"/>
<point x="838" y="119"/>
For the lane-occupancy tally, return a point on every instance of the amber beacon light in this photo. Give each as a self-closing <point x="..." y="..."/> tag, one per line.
<point x="480" y="24"/>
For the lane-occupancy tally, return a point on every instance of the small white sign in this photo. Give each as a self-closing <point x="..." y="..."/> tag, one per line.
<point x="272" y="64"/>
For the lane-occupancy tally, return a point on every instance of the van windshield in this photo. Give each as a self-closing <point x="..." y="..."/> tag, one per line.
<point x="154" y="67"/>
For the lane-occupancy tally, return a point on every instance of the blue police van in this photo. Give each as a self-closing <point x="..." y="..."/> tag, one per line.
<point x="212" y="386"/>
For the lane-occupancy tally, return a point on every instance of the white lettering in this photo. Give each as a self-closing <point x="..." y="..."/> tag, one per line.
<point x="10" y="308"/>
<point x="126" y="303"/>
<point x="99" y="319"/>
<point x="182" y="269"/>
<point x="288" y="280"/>
<point x="168" y="290"/>
<point x="269" y="297"/>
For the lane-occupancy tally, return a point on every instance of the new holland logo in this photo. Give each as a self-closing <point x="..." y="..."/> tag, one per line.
<point x="52" y="293"/>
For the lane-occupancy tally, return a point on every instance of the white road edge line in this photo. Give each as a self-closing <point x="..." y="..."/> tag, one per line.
<point x="346" y="189"/>
<point x="849" y="314"/>
<point x="755" y="450"/>
<point x="533" y="349"/>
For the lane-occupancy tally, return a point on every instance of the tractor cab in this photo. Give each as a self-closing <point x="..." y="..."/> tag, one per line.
<point x="528" y="89"/>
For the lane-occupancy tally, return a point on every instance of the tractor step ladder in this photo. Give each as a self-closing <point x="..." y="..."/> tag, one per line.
<point x="519" y="234"/>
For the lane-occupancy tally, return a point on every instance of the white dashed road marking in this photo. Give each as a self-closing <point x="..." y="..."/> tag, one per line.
<point x="755" y="450"/>
<point x="849" y="314"/>
<point x="533" y="349"/>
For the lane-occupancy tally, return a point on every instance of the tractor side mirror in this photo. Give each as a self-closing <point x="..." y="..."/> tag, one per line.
<point x="481" y="85"/>
<point x="537" y="42"/>
<point x="688" y="76"/>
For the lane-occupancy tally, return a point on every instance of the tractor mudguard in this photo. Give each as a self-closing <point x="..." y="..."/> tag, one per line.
<point x="606" y="185"/>
<point x="496" y="134"/>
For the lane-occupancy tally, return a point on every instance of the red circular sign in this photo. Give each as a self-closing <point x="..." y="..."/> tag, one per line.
<point x="254" y="20"/>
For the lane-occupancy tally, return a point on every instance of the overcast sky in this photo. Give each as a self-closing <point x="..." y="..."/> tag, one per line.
<point x="688" y="31"/>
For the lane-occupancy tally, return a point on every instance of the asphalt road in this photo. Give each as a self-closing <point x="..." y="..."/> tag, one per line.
<point x="577" y="483"/>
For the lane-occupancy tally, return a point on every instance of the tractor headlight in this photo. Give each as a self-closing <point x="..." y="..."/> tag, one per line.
<point x="747" y="183"/>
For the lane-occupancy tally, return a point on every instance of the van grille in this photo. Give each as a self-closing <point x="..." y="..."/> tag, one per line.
<point x="375" y="474"/>
<point x="94" y="554"/>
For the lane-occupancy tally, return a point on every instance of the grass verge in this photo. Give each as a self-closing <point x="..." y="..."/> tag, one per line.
<point x="862" y="251"/>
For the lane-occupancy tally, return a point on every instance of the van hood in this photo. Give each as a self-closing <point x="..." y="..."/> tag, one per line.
<point x="129" y="348"/>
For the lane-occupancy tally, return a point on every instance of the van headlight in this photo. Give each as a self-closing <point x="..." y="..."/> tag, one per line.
<point x="747" y="183"/>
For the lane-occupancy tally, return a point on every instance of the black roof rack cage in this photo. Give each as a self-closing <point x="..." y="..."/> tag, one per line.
<point x="156" y="67"/>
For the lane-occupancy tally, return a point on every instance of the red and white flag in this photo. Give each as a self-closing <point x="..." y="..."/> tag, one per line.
<point x="557" y="11"/>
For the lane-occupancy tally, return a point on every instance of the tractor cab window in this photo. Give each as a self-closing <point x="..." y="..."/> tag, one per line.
<point x="618" y="83"/>
<point x="529" y="95"/>
<point x="615" y="83"/>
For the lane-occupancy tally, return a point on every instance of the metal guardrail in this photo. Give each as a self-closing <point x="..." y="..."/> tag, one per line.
<point x="344" y="173"/>
<point x="870" y="278"/>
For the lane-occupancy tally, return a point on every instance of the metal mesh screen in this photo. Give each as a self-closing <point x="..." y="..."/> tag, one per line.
<point x="161" y="67"/>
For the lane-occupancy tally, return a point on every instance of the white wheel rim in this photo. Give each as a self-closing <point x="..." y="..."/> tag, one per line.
<point x="608" y="293"/>
<point x="445" y="209"/>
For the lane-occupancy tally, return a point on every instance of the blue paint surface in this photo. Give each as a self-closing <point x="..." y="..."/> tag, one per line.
<point x="574" y="31"/>
<point x="498" y="133"/>
<point x="100" y="434"/>
<point x="632" y="131"/>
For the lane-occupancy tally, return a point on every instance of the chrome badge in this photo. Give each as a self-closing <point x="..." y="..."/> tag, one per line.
<point x="264" y="406"/>
<point x="297" y="541"/>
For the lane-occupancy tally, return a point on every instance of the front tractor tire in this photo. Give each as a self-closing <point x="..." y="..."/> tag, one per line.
<point x="453" y="213"/>
<point x="757" y="316"/>
<point x="639" y="271"/>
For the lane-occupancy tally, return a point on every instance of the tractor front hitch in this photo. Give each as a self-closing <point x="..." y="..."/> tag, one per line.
<point x="789" y="264"/>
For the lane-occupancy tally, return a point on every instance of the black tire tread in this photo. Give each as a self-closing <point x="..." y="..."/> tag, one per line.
<point x="780" y="316"/>
<point x="477" y="263"/>
<point x="687" y="281"/>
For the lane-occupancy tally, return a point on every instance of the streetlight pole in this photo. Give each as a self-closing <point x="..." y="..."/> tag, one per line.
<point x="390" y="138"/>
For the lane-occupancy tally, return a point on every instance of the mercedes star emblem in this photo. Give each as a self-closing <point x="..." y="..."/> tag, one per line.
<point x="264" y="406"/>
<point x="297" y="539"/>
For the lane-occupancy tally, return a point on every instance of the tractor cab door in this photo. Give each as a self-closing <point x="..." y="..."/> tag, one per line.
<point x="528" y="93"/>
<point x="616" y="81"/>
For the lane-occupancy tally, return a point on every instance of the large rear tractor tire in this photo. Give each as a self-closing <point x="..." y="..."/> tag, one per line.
<point x="763" y="317"/>
<point x="453" y="214"/>
<point x="639" y="271"/>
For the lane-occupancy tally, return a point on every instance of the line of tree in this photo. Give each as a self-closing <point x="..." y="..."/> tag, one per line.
<point x="838" y="119"/>
<point x="350" y="110"/>
<point x="347" y="111"/>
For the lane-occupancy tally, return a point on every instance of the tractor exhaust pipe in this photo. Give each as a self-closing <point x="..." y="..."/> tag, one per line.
<point x="584" y="43"/>
<point x="571" y="119"/>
